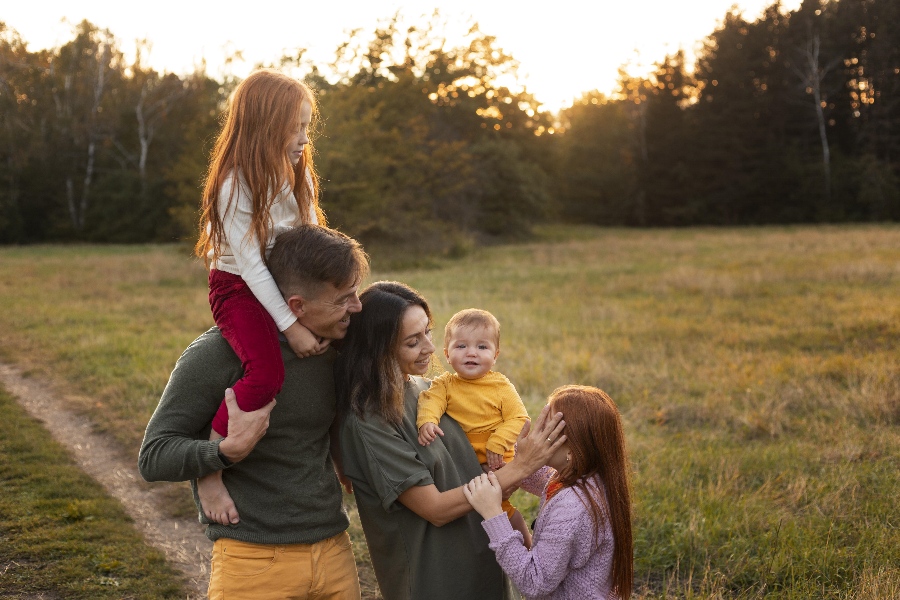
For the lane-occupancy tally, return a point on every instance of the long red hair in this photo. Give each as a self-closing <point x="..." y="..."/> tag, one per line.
<point x="262" y="114"/>
<point x="596" y="441"/>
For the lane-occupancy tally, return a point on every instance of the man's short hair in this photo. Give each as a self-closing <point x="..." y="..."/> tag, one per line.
<point x="472" y="317"/>
<point x="308" y="256"/>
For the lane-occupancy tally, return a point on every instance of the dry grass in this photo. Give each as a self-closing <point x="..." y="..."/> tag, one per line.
<point x="757" y="369"/>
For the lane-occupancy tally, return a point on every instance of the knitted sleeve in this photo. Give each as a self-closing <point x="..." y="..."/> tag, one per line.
<point x="564" y="542"/>
<point x="174" y="447"/>
<point x="514" y="416"/>
<point x="537" y="481"/>
<point x="433" y="401"/>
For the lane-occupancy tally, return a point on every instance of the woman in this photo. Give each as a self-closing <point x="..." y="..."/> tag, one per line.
<point x="424" y="539"/>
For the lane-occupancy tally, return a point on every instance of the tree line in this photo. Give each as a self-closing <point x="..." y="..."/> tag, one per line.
<point x="791" y="117"/>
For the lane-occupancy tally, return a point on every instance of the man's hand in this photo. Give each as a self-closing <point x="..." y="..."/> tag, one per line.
<point x="304" y="342"/>
<point x="245" y="429"/>
<point x="428" y="432"/>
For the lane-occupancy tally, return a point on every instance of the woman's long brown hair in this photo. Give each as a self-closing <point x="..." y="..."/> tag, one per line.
<point x="263" y="114"/>
<point x="367" y="376"/>
<point x="596" y="441"/>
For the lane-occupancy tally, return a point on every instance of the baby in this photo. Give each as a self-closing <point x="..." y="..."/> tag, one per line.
<point x="484" y="403"/>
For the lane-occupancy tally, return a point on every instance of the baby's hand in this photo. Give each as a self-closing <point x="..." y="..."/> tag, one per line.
<point x="484" y="494"/>
<point x="494" y="460"/>
<point x="303" y="342"/>
<point x="428" y="432"/>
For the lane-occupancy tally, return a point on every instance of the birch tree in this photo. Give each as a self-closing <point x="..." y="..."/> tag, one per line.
<point x="81" y="74"/>
<point x="156" y="98"/>
<point x="812" y="74"/>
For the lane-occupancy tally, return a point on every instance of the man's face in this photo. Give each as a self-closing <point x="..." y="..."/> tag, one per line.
<point x="327" y="315"/>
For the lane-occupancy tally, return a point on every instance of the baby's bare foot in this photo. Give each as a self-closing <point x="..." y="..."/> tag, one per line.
<point x="216" y="501"/>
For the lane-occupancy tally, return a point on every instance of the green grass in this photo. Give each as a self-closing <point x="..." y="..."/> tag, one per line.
<point x="757" y="370"/>
<point x="62" y="537"/>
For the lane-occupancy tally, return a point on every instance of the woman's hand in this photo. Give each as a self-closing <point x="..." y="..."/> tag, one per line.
<point x="485" y="494"/>
<point x="536" y="444"/>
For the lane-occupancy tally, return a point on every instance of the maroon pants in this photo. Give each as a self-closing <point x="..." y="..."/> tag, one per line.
<point x="253" y="336"/>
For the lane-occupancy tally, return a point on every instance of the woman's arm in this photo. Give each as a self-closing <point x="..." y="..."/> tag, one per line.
<point x="440" y="508"/>
<point x="535" y="446"/>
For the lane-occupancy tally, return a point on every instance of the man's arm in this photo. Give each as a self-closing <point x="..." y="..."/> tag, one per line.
<point x="175" y="447"/>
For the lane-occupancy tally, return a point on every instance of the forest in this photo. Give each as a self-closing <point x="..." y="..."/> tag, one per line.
<point x="793" y="117"/>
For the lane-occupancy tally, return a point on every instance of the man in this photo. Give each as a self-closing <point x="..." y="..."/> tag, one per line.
<point x="291" y="540"/>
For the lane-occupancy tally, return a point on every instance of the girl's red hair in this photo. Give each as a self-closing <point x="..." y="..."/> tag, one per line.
<point x="262" y="115"/>
<point x="596" y="441"/>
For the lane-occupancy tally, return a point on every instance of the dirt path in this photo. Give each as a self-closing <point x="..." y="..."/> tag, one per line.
<point x="180" y="540"/>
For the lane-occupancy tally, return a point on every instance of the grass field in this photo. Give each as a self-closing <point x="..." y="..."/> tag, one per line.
<point x="62" y="537"/>
<point x="757" y="369"/>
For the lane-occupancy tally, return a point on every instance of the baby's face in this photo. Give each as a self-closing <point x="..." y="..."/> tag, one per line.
<point x="472" y="351"/>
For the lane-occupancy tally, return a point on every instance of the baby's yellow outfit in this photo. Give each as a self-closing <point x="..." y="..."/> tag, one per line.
<point x="488" y="409"/>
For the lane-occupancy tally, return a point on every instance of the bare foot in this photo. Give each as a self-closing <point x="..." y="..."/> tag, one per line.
<point x="216" y="501"/>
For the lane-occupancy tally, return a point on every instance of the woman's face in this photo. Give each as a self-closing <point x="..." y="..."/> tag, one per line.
<point x="415" y="349"/>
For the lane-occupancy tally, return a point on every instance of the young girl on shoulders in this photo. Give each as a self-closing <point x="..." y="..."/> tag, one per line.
<point x="260" y="182"/>
<point x="582" y="539"/>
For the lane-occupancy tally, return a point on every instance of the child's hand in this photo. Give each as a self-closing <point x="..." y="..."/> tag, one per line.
<point x="484" y="494"/>
<point x="428" y="432"/>
<point x="303" y="342"/>
<point x="494" y="460"/>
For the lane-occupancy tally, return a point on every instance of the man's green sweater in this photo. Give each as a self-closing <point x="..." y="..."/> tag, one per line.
<point x="286" y="490"/>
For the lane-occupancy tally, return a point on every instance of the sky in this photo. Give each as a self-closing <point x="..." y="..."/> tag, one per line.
<point x="564" y="47"/>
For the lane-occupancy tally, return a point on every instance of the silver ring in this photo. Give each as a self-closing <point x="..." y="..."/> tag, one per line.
<point x="549" y="440"/>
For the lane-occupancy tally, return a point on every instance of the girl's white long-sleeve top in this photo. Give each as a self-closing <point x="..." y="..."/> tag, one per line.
<point x="239" y="250"/>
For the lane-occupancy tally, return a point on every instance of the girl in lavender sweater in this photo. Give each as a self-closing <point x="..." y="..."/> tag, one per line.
<point x="582" y="545"/>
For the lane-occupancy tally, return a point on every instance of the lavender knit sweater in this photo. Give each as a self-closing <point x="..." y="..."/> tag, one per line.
<point x="564" y="561"/>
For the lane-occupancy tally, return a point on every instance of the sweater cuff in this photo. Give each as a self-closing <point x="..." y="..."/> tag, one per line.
<point x="498" y="528"/>
<point x="212" y="457"/>
<point x="495" y="445"/>
<point x="423" y="420"/>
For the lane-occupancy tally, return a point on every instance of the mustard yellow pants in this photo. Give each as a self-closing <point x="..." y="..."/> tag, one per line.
<point x="479" y="441"/>
<point x="244" y="571"/>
